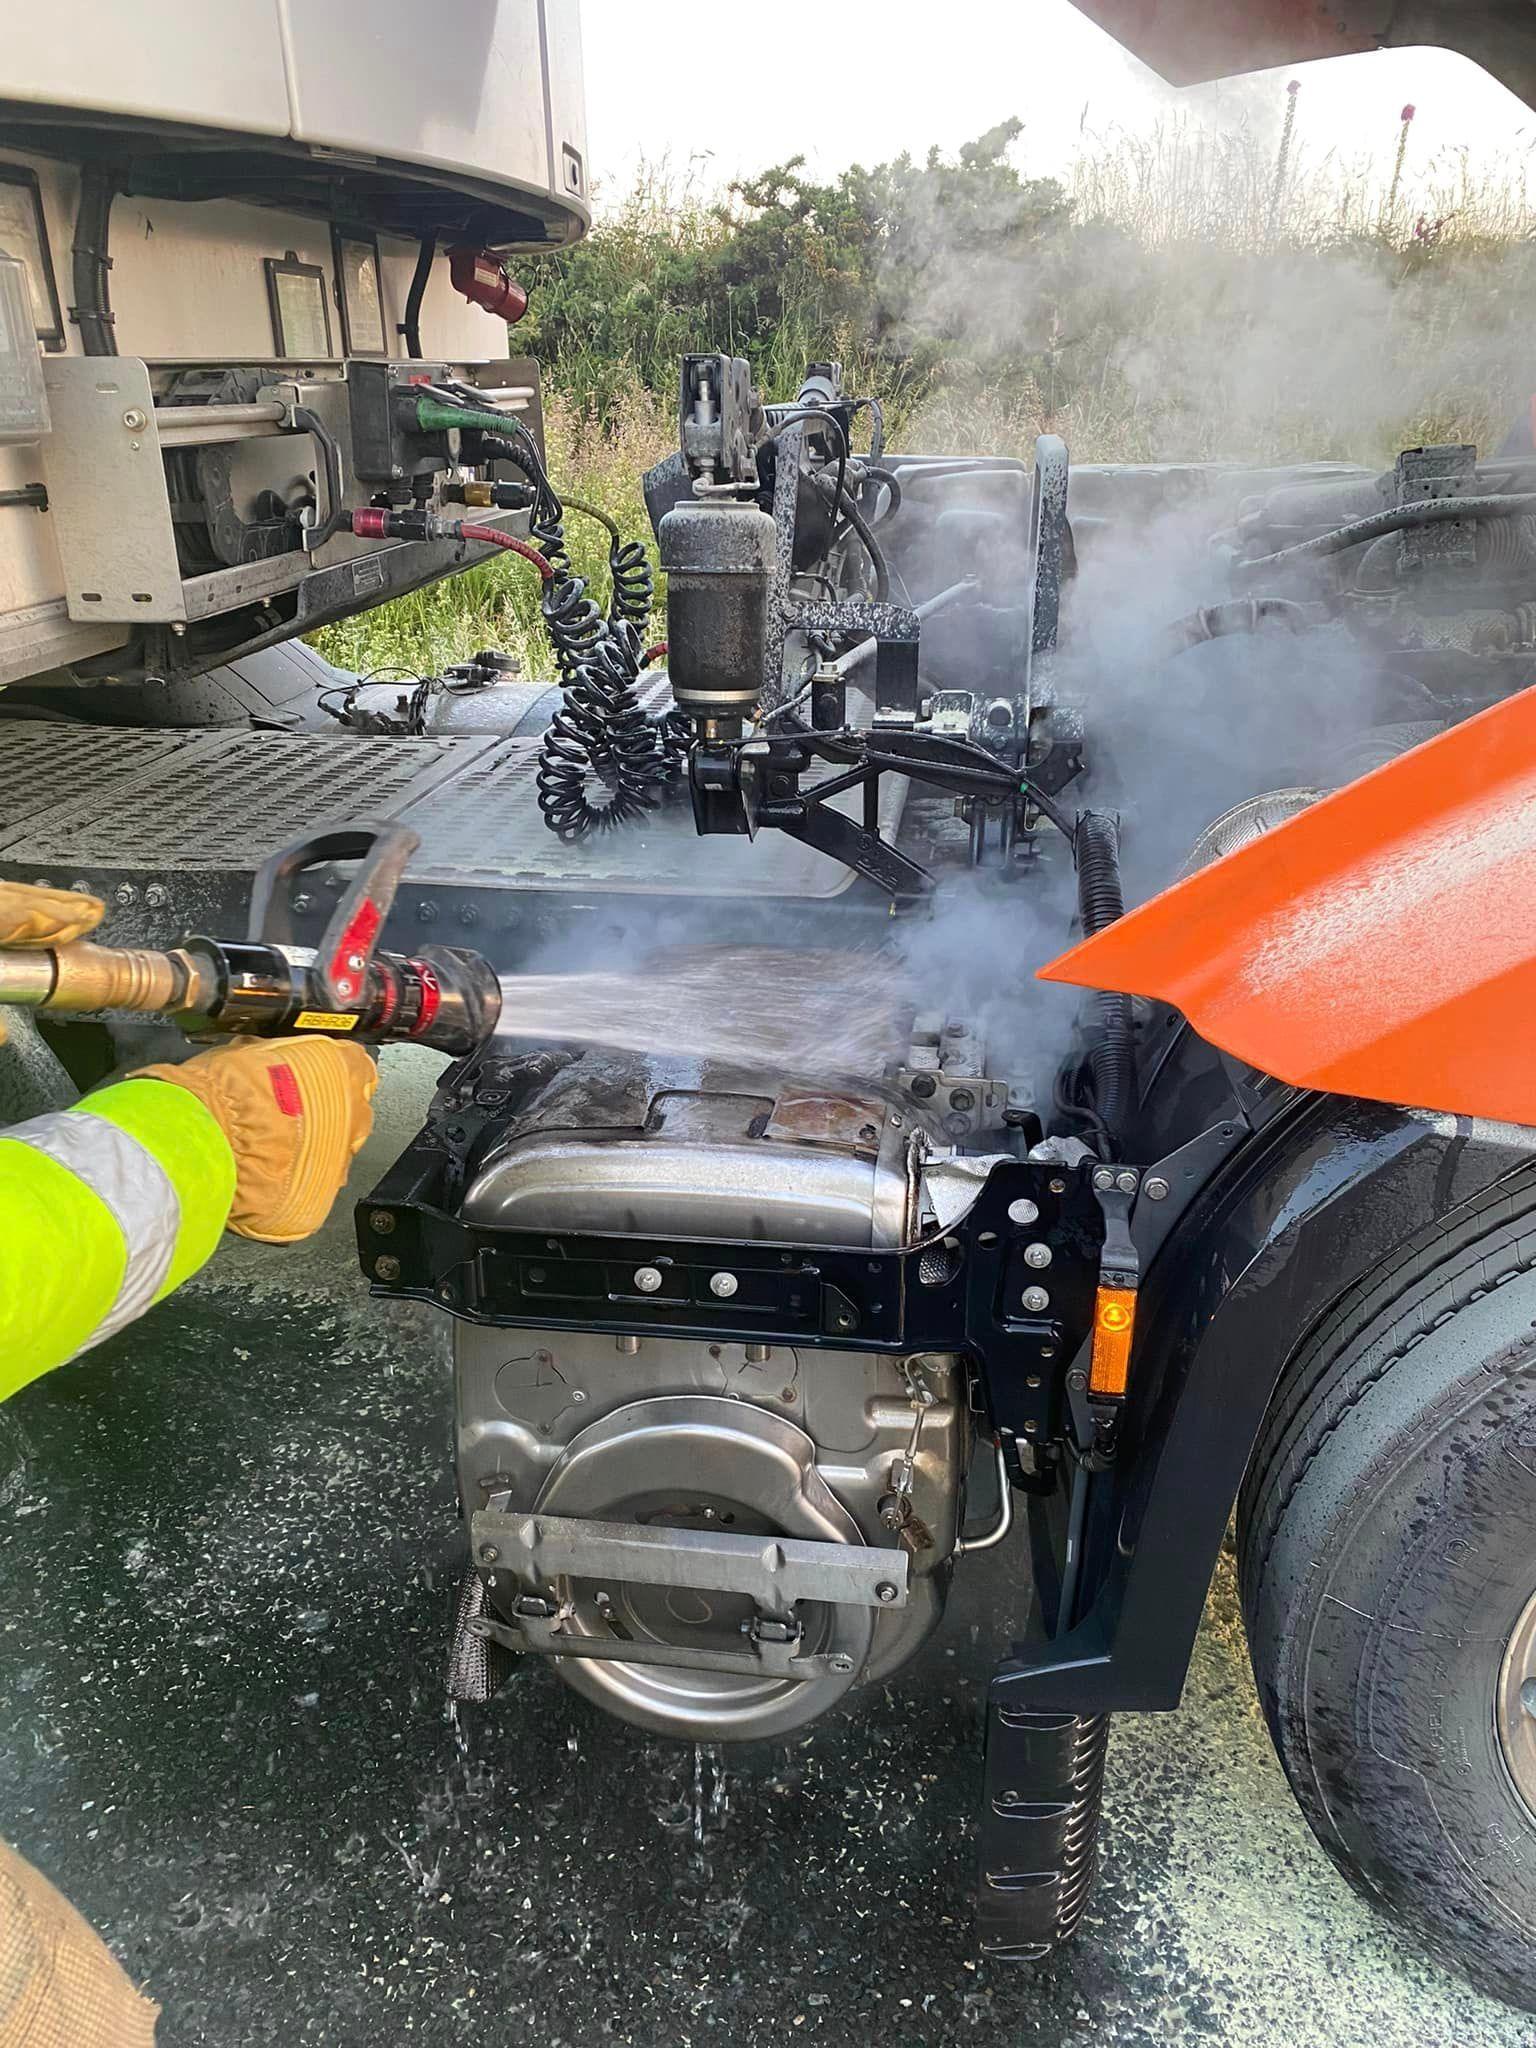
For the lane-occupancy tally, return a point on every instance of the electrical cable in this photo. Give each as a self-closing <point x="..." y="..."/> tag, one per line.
<point x="877" y="424"/>
<point x="873" y="472"/>
<point x="90" y="263"/>
<point x="410" y="325"/>
<point x="872" y="547"/>
<point x="798" y="417"/>
<point x="1396" y="519"/>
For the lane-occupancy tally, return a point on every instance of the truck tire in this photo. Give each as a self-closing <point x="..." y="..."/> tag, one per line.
<point x="1387" y="1550"/>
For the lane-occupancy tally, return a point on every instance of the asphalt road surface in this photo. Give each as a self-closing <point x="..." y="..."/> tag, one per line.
<point x="228" y="1548"/>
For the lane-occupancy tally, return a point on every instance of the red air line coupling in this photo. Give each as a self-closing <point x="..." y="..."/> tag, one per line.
<point x="376" y="522"/>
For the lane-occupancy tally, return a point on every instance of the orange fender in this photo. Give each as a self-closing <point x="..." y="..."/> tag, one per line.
<point x="1381" y="943"/>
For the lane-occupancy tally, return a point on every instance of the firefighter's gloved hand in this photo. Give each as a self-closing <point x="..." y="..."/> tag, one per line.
<point x="295" y="1111"/>
<point x="59" y="1986"/>
<point x="33" y="917"/>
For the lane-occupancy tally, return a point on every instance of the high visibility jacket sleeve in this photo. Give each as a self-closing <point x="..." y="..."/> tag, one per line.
<point x="104" y="1208"/>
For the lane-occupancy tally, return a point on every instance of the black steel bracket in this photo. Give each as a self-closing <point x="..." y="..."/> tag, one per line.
<point x="741" y="786"/>
<point x="964" y="1291"/>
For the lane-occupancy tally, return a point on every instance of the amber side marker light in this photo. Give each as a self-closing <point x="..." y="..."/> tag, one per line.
<point x="1114" y="1324"/>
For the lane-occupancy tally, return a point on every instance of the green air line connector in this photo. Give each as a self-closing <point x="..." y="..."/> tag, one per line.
<point x="433" y="417"/>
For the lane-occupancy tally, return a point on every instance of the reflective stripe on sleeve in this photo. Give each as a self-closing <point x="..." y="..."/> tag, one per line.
<point x="128" y="1179"/>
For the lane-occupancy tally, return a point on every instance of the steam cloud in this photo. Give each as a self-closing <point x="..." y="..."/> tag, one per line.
<point x="1229" y="354"/>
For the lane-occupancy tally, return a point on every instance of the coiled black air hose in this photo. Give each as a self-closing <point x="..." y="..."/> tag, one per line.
<point x="602" y="761"/>
<point x="631" y="578"/>
<point x="1101" y="900"/>
<point x="600" y="740"/>
<point x="600" y="735"/>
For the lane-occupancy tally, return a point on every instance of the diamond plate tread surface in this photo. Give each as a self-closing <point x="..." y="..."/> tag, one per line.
<point x="210" y="800"/>
<point x="126" y="798"/>
<point x="485" y="827"/>
<point x="45" y="765"/>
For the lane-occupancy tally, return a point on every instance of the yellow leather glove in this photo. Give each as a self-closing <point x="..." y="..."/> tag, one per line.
<point x="33" y="917"/>
<point x="59" y="1985"/>
<point x="296" y="1111"/>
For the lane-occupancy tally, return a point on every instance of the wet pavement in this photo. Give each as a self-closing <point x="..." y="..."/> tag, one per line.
<point x="228" y="1547"/>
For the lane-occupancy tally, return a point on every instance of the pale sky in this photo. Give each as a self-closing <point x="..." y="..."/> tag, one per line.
<point x="729" y="89"/>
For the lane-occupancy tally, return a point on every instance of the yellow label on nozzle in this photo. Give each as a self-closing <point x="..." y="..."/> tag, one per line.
<point x="325" y="1020"/>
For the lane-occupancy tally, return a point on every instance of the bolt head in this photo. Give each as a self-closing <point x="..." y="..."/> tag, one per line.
<point x="922" y="1085"/>
<point x="157" y="896"/>
<point x="134" y="420"/>
<point x="648" y="1279"/>
<point x="489" y="1554"/>
<point x="1023" y="1211"/>
<point x="842" y="1663"/>
<point x="1036" y="1300"/>
<point x="381" y="1220"/>
<point x="125" y="893"/>
<point x="723" y="1285"/>
<point x="1156" y="1189"/>
<point x="962" y="1098"/>
<point x="578" y="1394"/>
<point x="1126" y="1182"/>
<point x="1076" y="1381"/>
<point x="387" y="1268"/>
<point x="885" y="1592"/>
<point x="1103" y="1176"/>
<point x="1037" y="1255"/>
<point x="1058" y="1186"/>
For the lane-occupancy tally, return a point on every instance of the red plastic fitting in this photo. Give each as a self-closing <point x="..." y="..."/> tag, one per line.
<point x="371" y="522"/>
<point x="480" y="277"/>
